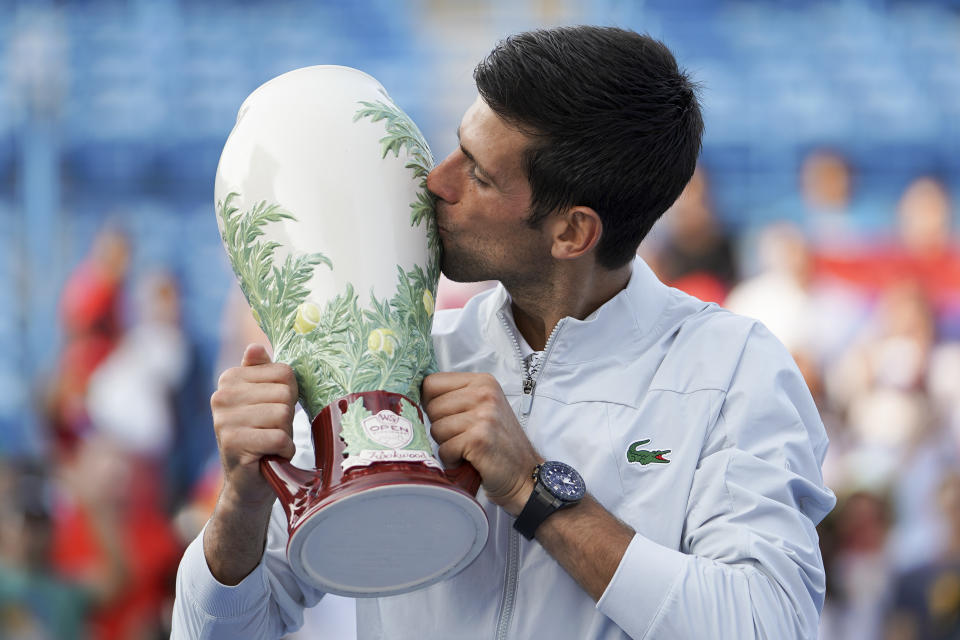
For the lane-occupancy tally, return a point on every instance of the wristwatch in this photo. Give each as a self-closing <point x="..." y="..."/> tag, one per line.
<point x="557" y="486"/>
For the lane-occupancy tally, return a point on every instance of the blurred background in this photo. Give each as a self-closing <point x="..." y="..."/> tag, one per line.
<point x="824" y="206"/>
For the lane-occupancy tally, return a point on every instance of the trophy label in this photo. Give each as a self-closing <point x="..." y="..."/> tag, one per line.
<point x="384" y="436"/>
<point x="369" y="456"/>
<point x="388" y="429"/>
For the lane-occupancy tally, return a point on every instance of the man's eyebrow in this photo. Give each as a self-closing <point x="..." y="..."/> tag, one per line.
<point x="476" y="164"/>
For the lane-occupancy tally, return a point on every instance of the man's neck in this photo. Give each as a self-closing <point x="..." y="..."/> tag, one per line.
<point x="577" y="294"/>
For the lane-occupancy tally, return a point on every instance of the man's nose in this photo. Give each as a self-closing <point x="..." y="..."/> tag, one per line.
<point x="440" y="181"/>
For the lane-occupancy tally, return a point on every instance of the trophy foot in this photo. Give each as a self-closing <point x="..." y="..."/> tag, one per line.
<point x="388" y="540"/>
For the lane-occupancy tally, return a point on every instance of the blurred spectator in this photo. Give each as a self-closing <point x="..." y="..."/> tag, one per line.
<point x="34" y="603"/>
<point x="693" y="253"/>
<point x="923" y="218"/>
<point x="930" y="254"/>
<point x="826" y="183"/>
<point x="780" y="295"/>
<point x="920" y="531"/>
<point x="943" y="373"/>
<point x="926" y="600"/>
<point x="109" y="524"/>
<point x="152" y="393"/>
<point x="823" y="209"/>
<point x="881" y="385"/>
<point x="894" y="348"/>
<point x="853" y="540"/>
<point x="814" y="318"/>
<point x="130" y="396"/>
<point x="923" y="252"/>
<point x="90" y="307"/>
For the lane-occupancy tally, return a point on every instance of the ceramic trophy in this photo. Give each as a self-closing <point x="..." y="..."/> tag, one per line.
<point x="322" y="206"/>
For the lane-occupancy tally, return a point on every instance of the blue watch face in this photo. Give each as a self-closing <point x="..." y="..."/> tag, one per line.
<point x="562" y="481"/>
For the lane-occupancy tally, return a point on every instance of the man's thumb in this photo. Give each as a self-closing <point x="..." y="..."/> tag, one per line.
<point x="255" y="354"/>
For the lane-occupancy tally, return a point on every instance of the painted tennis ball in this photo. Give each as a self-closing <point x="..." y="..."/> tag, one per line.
<point x="308" y="316"/>
<point x="428" y="302"/>
<point x="382" y="339"/>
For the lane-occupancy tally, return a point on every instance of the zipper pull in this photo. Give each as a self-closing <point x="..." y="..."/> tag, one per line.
<point x="527" y="398"/>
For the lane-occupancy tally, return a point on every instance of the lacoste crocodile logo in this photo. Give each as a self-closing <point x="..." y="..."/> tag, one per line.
<point x="645" y="457"/>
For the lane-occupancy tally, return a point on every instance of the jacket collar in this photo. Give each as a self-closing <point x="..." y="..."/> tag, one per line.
<point x="631" y="315"/>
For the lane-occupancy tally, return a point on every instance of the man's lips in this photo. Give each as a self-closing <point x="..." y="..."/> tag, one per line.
<point x="440" y="218"/>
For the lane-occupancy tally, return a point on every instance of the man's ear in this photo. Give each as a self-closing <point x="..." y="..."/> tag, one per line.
<point x="575" y="232"/>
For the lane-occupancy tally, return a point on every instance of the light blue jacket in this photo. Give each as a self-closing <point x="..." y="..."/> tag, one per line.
<point x="726" y="545"/>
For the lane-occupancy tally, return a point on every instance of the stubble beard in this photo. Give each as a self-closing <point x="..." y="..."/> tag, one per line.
<point x="474" y="264"/>
<point x="525" y="280"/>
<point x="459" y="266"/>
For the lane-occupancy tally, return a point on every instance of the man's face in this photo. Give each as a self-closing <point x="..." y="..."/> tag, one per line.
<point x="484" y="202"/>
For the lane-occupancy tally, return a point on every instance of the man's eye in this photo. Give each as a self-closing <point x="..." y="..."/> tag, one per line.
<point x="473" y="176"/>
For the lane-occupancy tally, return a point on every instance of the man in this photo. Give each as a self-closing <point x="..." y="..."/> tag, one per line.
<point x="699" y="444"/>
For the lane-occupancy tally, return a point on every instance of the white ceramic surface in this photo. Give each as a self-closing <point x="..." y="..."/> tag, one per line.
<point x="296" y="144"/>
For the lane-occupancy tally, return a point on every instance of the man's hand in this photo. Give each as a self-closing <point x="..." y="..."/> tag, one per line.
<point x="472" y="420"/>
<point x="253" y="410"/>
<point x="253" y="417"/>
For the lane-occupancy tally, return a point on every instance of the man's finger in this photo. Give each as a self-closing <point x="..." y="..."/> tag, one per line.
<point x="251" y="394"/>
<point x="257" y="417"/>
<point x="437" y="384"/>
<point x="449" y="404"/>
<point x="255" y="354"/>
<point x="451" y="452"/>
<point x="268" y="372"/>
<point x="265" y="442"/>
<point x="444" y="429"/>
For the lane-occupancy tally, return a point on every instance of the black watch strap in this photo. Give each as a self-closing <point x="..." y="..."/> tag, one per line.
<point x="537" y="509"/>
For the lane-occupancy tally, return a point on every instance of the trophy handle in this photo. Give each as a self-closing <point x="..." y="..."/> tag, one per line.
<point x="464" y="476"/>
<point x="288" y="481"/>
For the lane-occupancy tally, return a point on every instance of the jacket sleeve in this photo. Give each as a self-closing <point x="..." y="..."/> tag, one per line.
<point x="749" y="563"/>
<point x="268" y="603"/>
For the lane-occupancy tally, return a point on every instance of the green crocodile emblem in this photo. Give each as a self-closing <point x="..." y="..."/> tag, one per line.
<point x="645" y="457"/>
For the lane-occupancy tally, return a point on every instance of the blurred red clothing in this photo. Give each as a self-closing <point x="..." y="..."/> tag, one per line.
<point x="90" y="315"/>
<point x="703" y="285"/>
<point x="151" y="554"/>
<point x="89" y="303"/>
<point x="937" y="273"/>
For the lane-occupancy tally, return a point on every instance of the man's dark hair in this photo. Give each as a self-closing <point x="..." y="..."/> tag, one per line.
<point x="615" y="121"/>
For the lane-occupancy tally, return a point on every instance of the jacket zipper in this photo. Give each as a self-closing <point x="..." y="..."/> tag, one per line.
<point x="511" y="575"/>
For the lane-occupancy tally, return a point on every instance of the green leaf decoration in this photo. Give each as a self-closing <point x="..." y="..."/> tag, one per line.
<point x="351" y="429"/>
<point x="403" y="135"/>
<point x="273" y="292"/>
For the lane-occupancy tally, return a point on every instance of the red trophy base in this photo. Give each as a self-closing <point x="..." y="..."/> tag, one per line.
<point x="377" y="530"/>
